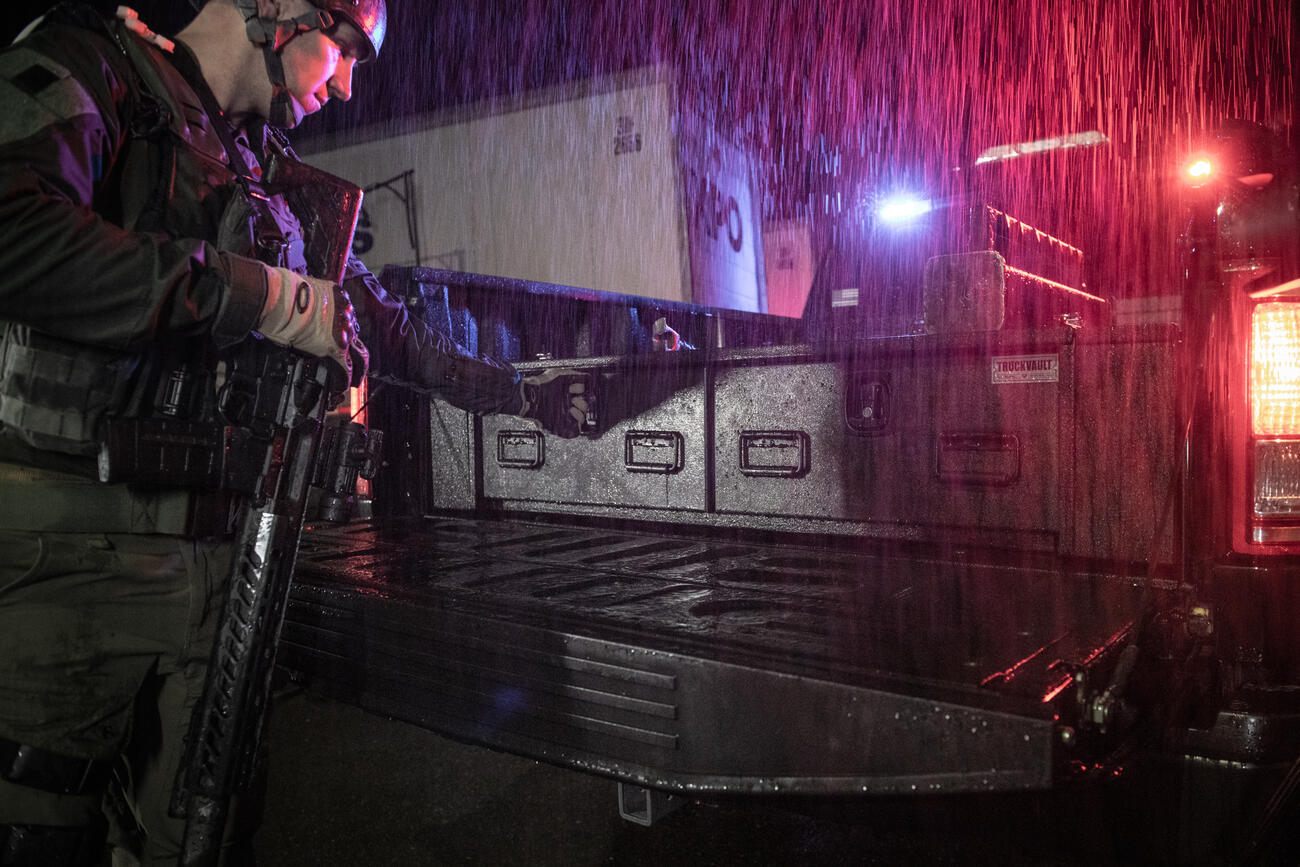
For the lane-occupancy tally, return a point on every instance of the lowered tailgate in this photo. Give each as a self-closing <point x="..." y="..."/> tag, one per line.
<point x="707" y="662"/>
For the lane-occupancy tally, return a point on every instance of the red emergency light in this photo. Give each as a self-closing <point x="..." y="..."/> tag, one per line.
<point x="1202" y="170"/>
<point x="1199" y="171"/>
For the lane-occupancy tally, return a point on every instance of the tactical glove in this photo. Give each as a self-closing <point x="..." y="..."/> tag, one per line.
<point x="558" y="400"/>
<point x="315" y="317"/>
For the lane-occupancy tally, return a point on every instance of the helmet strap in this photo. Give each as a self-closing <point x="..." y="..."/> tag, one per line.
<point x="272" y="35"/>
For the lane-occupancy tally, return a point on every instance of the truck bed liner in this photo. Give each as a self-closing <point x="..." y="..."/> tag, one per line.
<point x="697" y="663"/>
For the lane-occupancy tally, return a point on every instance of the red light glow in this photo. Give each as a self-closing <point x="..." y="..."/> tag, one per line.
<point x="1275" y="370"/>
<point x="1200" y="170"/>
<point x="358" y="397"/>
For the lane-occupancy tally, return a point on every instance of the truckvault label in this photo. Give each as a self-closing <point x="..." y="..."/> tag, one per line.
<point x="1026" y="368"/>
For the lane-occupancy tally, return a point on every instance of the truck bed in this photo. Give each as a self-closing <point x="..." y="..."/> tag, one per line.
<point x="716" y="661"/>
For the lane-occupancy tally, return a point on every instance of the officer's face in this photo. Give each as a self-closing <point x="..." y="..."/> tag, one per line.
<point x="318" y="67"/>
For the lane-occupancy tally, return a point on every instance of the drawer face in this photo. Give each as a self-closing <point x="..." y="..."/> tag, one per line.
<point x="914" y="444"/>
<point x="929" y="441"/>
<point x="653" y="460"/>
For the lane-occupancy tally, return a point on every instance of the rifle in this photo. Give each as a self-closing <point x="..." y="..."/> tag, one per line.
<point x="276" y="400"/>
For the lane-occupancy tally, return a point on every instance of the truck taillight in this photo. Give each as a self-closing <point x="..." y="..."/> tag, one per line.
<point x="1275" y="421"/>
<point x="1275" y="370"/>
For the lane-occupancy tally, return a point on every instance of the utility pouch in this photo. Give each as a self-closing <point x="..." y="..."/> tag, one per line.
<point x="157" y="451"/>
<point x="53" y="394"/>
<point x="181" y="454"/>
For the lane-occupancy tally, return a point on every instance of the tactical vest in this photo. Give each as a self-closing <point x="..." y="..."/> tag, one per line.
<point x="170" y="177"/>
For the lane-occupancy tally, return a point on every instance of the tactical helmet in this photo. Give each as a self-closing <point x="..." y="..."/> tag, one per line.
<point x="370" y="17"/>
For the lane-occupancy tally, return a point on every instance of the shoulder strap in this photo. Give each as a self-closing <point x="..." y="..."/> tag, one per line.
<point x="172" y="83"/>
<point x="189" y="67"/>
<point x="153" y="121"/>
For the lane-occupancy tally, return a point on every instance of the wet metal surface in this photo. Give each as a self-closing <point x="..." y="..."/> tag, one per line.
<point x="693" y="664"/>
<point x="984" y="630"/>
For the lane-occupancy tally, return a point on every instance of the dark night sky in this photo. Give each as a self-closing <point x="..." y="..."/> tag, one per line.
<point x="829" y="90"/>
<point x="790" y="73"/>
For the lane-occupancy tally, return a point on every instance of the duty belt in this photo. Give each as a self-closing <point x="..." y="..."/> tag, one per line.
<point x="51" y="772"/>
<point x="39" y="500"/>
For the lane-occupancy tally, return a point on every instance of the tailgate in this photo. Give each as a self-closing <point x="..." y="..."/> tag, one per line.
<point x="706" y="662"/>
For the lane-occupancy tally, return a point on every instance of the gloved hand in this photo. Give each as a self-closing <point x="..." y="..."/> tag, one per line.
<point x="557" y="399"/>
<point x="315" y="317"/>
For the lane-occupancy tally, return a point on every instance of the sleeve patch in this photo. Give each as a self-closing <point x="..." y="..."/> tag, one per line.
<point x="34" y="79"/>
<point x="36" y="93"/>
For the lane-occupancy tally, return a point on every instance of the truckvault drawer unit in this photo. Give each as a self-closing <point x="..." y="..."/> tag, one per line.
<point x="744" y="579"/>
<point x="941" y="561"/>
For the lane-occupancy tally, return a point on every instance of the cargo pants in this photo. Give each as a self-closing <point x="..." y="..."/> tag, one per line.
<point x="104" y="643"/>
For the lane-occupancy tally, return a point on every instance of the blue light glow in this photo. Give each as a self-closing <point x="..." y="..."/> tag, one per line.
<point x="902" y="209"/>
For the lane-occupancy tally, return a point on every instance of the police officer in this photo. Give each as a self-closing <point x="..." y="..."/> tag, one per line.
<point x="138" y="247"/>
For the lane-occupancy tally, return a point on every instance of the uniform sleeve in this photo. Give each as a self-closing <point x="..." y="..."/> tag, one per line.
<point x="65" y="269"/>
<point x="409" y="352"/>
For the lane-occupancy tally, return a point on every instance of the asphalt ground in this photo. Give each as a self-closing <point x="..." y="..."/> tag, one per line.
<point x="348" y="787"/>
